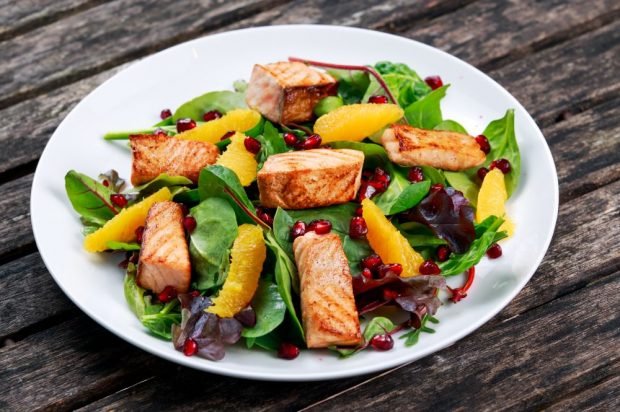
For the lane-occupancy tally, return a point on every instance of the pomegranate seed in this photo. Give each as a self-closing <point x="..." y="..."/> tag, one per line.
<point x="194" y="293"/>
<point x="367" y="273"/>
<point x="389" y="294"/>
<point x="312" y="142"/>
<point x="212" y="115"/>
<point x="252" y="145"/>
<point x="415" y="174"/>
<point x="482" y="172"/>
<point x="190" y="347"/>
<point x="119" y="200"/>
<point x="166" y="113"/>
<point x="288" y="351"/>
<point x="437" y="187"/>
<point x="382" y="342"/>
<point x="264" y="215"/>
<point x="371" y="262"/>
<point x="366" y="192"/>
<point x="429" y="268"/>
<point x="139" y="234"/>
<point x="185" y="124"/>
<point x="189" y="223"/>
<point x="483" y="142"/>
<point x="290" y="139"/>
<point x="298" y="229"/>
<point x="167" y="294"/>
<point x="320" y="226"/>
<point x="434" y="82"/>
<point x="443" y="253"/>
<point x="378" y="99"/>
<point x="494" y="251"/>
<point x="358" y="228"/>
<point x="227" y="135"/>
<point x="105" y="183"/>
<point x="502" y="164"/>
<point x="395" y="268"/>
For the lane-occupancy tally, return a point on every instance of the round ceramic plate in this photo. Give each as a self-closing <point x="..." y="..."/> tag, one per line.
<point x="133" y="99"/>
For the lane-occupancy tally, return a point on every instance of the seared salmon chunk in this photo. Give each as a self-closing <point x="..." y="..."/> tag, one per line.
<point x="328" y="311"/>
<point x="410" y="146"/>
<point x="286" y="92"/>
<point x="153" y="155"/>
<point x="310" y="178"/>
<point x="164" y="256"/>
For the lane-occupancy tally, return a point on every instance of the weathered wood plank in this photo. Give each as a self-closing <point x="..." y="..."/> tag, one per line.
<point x="506" y="374"/>
<point x="17" y="17"/>
<point x="33" y="295"/>
<point x="605" y="396"/>
<point x="15" y="229"/>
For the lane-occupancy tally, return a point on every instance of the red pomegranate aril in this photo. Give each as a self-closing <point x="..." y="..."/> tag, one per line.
<point x="290" y="139"/>
<point x="483" y="142"/>
<point x="190" y="347"/>
<point x="367" y="273"/>
<point x="482" y="173"/>
<point x="194" y="293"/>
<point x="166" y="113"/>
<point x="395" y="268"/>
<point x="443" y="253"/>
<point x="494" y="251"/>
<point x="415" y="174"/>
<point x="189" y="223"/>
<point x="288" y="351"/>
<point x="105" y="183"/>
<point x="366" y="192"/>
<point x="211" y="115"/>
<point x="390" y="294"/>
<point x="227" y="135"/>
<point x="312" y="142"/>
<point x="320" y="226"/>
<point x="264" y="215"/>
<point x="252" y="145"/>
<point x="371" y="262"/>
<point x="118" y="200"/>
<point x="434" y="82"/>
<point x="298" y="229"/>
<point x="378" y="99"/>
<point x="167" y="294"/>
<point x="429" y="267"/>
<point x="502" y="164"/>
<point x="185" y="124"/>
<point x="358" y="228"/>
<point x="382" y="342"/>
<point x="436" y="187"/>
<point x="139" y="234"/>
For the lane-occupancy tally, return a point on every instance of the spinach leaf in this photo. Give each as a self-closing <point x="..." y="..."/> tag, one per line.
<point x="486" y="234"/>
<point x="374" y="154"/>
<point x="404" y="83"/>
<point x="255" y="131"/>
<point x="89" y="198"/>
<point x="401" y="194"/>
<point x="327" y="105"/>
<point x="271" y="143"/>
<point x="351" y="84"/>
<point x="163" y="180"/>
<point x="465" y="183"/>
<point x="426" y="112"/>
<point x="419" y="235"/>
<point x="503" y="141"/>
<point x="282" y="223"/>
<point x="434" y="175"/>
<point x="134" y="294"/>
<point x="270" y="341"/>
<point x="450" y="126"/>
<point x="223" y="102"/>
<point x="190" y="197"/>
<point x="219" y="181"/>
<point x="270" y="309"/>
<point x="114" y="245"/>
<point x="211" y="241"/>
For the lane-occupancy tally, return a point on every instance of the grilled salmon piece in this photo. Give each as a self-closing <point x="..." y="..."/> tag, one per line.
<point x="410" y="146"/>
<point x="328" y="311"/>
<point x="286" y="92"/>
<point x="153" y="155"/>
<point x="164" y="256"/>
<point x="310" y="178"/>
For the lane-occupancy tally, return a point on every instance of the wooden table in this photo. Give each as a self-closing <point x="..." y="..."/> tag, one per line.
<point x="555" y="346"/>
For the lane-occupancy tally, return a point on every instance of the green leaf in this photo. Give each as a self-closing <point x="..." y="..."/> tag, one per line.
<point x="190" y="197"/>
<point x="486" y="234"/>
<point x="163" y="180"/>
<point x="434" y="175"/>
<point x="211" y="241"/>
<point x="413" y="336"/>
<point x="450" y="126"/>
<point x="401" y="194"/>
<point x="271" y="143"/>
<point x="223" y="101"/>
<point x="134" y="294"/>
<point x="219" y="181"/>
<point x="351" y="84"/>
<point x="89" y="198"/>
<point x="377" y="326"/>
<point x="503" y="141"/>
<point x="171" y="130"/>
<point x="426" y="112"/>
<point x="327" y="105"/>
<point x="404" y="83"/>
<point x="113" y="245"/>
<point x="270" y="342"/>
<point x="463" y="182"/>
<point x="160" y="324"/>
<point x="270" y="309"/>
<point x="374" y="154"/>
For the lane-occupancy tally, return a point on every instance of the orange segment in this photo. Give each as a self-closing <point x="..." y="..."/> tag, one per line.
<point x="238" y="120"/>
<point x="247" y="257"/>
<point x="354" y="122"/>
<point x="387" y="241"/>
<point x="492" y="200"/>
<point x="239" y="160"/>
<point x="122" y="227"/>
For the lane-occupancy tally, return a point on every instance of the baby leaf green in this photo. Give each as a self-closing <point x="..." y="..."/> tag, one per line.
<point x="89" y="198"/>
<point x="426" y="112"/>
<point x="269" y="307"/>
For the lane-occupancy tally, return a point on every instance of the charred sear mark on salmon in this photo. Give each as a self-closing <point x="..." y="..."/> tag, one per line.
<point x="410" y="146"/>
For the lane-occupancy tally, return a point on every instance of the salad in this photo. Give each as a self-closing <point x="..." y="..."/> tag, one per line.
<point x="316" y="205"/>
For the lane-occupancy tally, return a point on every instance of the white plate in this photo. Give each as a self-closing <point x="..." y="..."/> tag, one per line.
<point x="134" y="97"/>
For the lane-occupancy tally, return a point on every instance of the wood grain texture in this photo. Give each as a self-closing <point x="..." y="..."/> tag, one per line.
<point x="15" y="229"/>
<point x="603" y="396"/>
